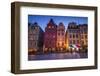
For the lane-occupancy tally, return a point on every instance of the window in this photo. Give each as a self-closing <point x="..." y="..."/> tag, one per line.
<point x="58" y="44"/>
<point x="70" y="36"/>
<point x="62" y="30"/>
<point x="76" y="31"/>
<point x="70" y="41"/>
<point x="81" y="31"/>
<point x="53" y="36"/>
<point x="85" y="31"/>
<point x="82" y="42"/>
<point x="69" y="31"/>
<point x="58" y="30"/>
<point x="73" y="31"/>
<point x="86" y="41"/>
<point x="77" y="41"/>
<point x="49" y="26"/>
<point x="73" y="36"/>
<point x="76" y="35"/>
<point x="62" y="33"/>
<point x="36" y="29"/>
<point x="35" y="44"/>
<point x="62" y="44"/>
<point x="58" y="33"/>
<point x="85" y="36"/>
<point x="73" y="41"/>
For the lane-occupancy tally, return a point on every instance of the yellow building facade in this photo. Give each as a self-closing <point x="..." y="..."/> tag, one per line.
<point x="61" y="37"/>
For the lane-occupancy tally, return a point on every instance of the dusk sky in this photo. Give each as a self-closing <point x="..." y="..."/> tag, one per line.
<point x="43" y="20"/>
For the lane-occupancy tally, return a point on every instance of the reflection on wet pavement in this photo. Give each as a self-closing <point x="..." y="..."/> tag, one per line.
<point x="54" y="56"/>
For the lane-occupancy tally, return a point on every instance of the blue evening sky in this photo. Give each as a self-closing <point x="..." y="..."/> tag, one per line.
<point x="43" y="20"/>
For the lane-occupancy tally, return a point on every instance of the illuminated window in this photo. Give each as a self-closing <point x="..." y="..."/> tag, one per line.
<point x="49" y="26"/>
<point x="53" y="36"/>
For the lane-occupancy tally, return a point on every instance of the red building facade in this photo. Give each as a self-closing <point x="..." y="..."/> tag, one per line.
<point x="50" y="38"/>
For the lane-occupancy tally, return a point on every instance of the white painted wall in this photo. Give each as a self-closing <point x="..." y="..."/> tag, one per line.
<point x="5" y="33"/>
